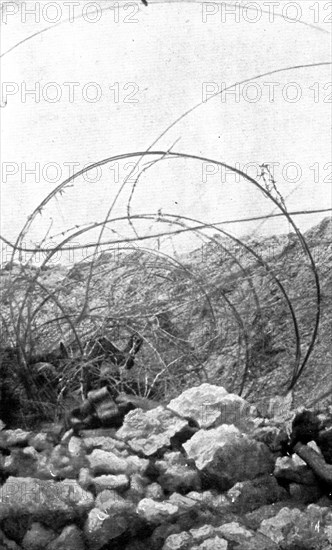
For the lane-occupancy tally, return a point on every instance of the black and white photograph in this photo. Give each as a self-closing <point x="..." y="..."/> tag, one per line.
<point x="165" y="275"/>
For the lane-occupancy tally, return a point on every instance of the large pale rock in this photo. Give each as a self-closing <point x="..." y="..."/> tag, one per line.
<point x="101" y="527"/>
<point x="211" y="406"/>
<point x="71" y="538"/>
<point x="46" y="501"/>
<point x="156" y="512"/>
<point x="176" y="474"/>
<point x="105" y="462"/>
<point x="37" y="537"/>
<point x="227" y="456"/>
<point x="150" y="431"/>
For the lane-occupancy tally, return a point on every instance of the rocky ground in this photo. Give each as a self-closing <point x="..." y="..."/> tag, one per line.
<point x="204" y="472"/>
<point x="200" y="468"/>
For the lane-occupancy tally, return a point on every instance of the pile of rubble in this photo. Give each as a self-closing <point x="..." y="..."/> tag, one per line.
<point x="205" y="472"/>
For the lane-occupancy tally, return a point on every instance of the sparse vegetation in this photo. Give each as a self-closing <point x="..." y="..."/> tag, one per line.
<point x="230" y="323"/>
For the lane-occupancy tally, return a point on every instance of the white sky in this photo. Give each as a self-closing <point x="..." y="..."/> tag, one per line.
<point x="162" y="59"/>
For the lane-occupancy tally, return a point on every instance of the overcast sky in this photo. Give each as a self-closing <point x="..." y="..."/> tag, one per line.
<point x="110" y="77"/>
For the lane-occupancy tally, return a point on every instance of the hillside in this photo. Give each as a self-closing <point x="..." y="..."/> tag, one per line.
<point x="218" y="314"/>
